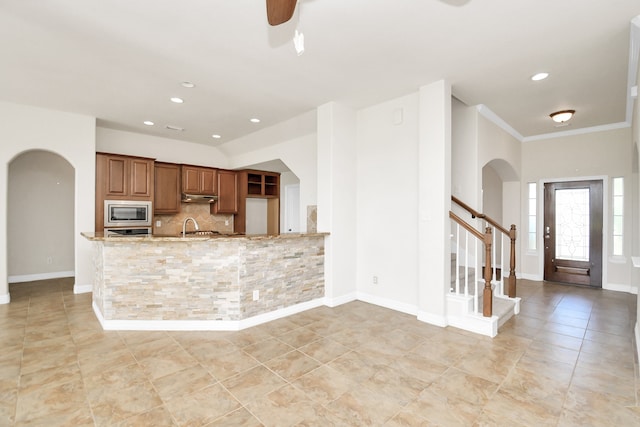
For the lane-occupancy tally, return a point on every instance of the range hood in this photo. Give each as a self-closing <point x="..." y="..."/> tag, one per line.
<point x="198" y="198"/>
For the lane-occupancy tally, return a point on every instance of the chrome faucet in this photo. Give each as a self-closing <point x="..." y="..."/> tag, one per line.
<point x="184" y="225"/>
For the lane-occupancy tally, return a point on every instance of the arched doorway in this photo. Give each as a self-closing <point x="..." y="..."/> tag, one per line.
<point x="40" y="217"/>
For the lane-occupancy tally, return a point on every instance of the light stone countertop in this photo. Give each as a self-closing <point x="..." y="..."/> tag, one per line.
<point x="99" y="236"/>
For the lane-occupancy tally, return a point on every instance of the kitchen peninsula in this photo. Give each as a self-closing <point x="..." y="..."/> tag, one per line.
<point x="219" y="282"/>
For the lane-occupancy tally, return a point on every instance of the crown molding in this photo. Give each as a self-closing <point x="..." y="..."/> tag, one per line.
<point x="632" y="78"/>
<point x="497" y="120"/>
<point x="581" y="131"/>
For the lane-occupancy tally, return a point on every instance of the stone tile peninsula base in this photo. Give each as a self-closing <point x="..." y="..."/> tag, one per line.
<point x="205" y="282"/>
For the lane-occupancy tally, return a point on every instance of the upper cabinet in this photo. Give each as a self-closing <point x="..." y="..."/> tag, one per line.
<point x="263" y="184"/>
<point x="167" y="188"/>
<point x="124" y="177"/>
<point x="121" y="178"/>
<point x="198" y="180"/>
<point x="258" y="184"/>
<point x="227" y="193"/>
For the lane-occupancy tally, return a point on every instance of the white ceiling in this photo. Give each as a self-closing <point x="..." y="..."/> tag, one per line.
<point x="121" y="60"/>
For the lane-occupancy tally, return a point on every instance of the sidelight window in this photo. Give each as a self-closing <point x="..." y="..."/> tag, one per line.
<point x="618" y="215"/>
<point x="532" y="218"/>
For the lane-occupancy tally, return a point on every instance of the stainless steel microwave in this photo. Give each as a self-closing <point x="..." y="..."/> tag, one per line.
<point x="127" y="213"/>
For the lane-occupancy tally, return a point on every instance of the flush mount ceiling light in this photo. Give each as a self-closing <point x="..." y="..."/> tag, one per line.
<point x="562" y="116"/>
<point x="177" y="100"/>
<point x="216" y="136"/>
<point x="254" y="120"/>
<point x="539" y="76"/>
<point x="175" y="128"/>
<point x="187" y="84"/>
<point x="148" y="123"/>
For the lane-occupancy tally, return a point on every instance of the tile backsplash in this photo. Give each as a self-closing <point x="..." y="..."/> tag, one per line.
<point x="312" y="219"/>
<point x="172" y="224"/>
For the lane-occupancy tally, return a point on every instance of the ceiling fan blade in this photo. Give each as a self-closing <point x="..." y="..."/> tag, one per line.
<point x="280" y="11"/>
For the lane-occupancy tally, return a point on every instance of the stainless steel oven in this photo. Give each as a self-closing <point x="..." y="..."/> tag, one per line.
<point x="127" y="213"/>
<point x="127" y="232"/>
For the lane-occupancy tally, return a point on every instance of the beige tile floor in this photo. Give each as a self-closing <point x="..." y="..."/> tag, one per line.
<point x="567" y="360"/>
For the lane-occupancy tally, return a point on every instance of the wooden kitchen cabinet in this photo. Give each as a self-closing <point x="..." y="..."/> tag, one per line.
<point x="121" y="177"/>
<point x="167" y="188"/>
<point x="258" y="184"/>
<point x="263" y="184"/>
<point x="198" y="180"/>
<point x="227" y="202"/>
<point x="124" y="177"/>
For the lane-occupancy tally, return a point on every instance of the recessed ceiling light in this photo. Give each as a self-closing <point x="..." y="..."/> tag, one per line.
<point x="177" y="100"/>
<point x="216" y="136"/>
<point x="254" y="120"/>
<point x="148" y="123"/>
<point x="539" y="76"/>
<point x="176" y="128"/>
<point x="187" y="84"/>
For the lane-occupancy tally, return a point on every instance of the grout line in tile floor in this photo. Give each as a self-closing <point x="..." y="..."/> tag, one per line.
<point x="566" y="360"/>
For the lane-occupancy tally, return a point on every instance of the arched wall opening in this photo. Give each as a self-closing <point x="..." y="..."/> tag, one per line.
<point x="496" y="174"/>
<point x="40" y="217"/>
<point x="501" y="195"/>
<point x="24" y="128"/>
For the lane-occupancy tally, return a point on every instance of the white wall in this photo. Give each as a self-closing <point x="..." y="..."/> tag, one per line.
<point x="434" y="201"/>
<point x="387" y="201"/>
<point x="72" y="136"/>
<point x="465" y="171"/>
<point x="491" y="193"/>
<point x="600" y="154"/>
<point x="40" y="217"/>
<point x="300" y="156"/>
<point x="635" y="228"/>
<point x="290" y="182"/>
<point x="337" y="198"/>
<point x="496" y="143"/>
<point x="161" y="149"/>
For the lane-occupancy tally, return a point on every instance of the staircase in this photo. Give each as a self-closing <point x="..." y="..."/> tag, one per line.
<point x="464" y="310"/>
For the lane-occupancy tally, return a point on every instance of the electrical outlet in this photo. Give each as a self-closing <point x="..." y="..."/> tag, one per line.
<point x="226" y="222"/>
<point x="49" y="260"/>
<point x="158" y="223"/>
<point x="256" y="295"/>
<point x="375" y="280"/>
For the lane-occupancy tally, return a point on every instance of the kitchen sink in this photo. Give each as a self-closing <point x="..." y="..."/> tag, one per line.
<point x="202" y="233"/>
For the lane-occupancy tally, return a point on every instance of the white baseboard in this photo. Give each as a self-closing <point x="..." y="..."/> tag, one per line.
<point x="432" y="319"/>
<point x="82" y="289"/>
<point x="534" y="277"/>
<point x="637" y="331"/>
<point x="202" y="325"/>
<point x="387" y="303"/>
<point x="334" y="302"/>
<point x="5" y="299"/>
<point x="40" y="276"/>
<point x="487" y="326"/>
<point x="620" y="288"/>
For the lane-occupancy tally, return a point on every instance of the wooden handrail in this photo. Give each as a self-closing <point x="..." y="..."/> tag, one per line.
<point x="511" y="285"/>
<point x="466" y="226"/>
<point x="487" y="240"/>
<point x="475" y="214"/>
